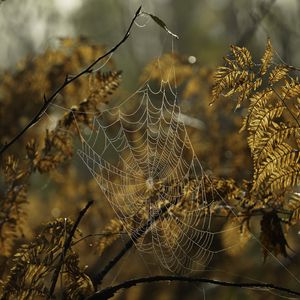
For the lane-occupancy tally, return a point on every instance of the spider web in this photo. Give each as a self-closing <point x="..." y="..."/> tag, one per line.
<point x="140" y="154"/>
<point x="142" y="158"/>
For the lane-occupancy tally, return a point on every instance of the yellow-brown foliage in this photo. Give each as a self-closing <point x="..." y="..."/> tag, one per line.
<point x="270" y="93"/>
<point x="255" y="170"/>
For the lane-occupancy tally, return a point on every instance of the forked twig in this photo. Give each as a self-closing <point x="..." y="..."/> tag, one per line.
<point x="66" y="247"/>
<point x="48" y="101"/>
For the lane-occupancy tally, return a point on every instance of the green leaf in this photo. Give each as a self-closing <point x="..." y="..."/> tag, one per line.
<point x="163" y="25"/>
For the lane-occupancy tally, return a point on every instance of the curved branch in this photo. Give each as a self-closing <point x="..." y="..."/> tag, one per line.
<point x="67" y="81"/>
<point x="109" y="292"/>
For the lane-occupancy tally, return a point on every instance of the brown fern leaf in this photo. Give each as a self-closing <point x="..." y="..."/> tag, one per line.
<point x="33" y="262"/>
<point x="294" y="206"/>
<point x="291" y="89"/>
<point x="104" y="84"/>
<point x="277" y="133"/>
<point x="59" y="143"/>
<point x="12" y="201"/>
<point x="259" y="126"/>
<point x="257" y="101"/>
<point x="271" y="121"/>
<point x="237" y="77"/>
<point x="58" y="149"/>
<point x="278" y="73"/>
<point x="284" y="178"/>
<point x="267" y="58"/>
<point x="242" y="57"/>
<point x="77" y="284"/>
<point x="279" y="158"/>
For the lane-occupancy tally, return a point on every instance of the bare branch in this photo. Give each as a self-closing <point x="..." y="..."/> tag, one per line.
<point x="109" y="292"/>
<point x="48" y="101"/>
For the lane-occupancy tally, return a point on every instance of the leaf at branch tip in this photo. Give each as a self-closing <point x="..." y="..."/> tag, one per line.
<point x="138" y="11"/>
<point x="162" y="25"/>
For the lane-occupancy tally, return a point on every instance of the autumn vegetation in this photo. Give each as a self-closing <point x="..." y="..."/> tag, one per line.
<point x="57" y="232"/>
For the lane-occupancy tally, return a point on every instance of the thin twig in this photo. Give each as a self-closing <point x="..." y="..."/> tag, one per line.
<point x="48" y="101"/>
<point x="109" y="292"/>
<point x="66" y="247"/>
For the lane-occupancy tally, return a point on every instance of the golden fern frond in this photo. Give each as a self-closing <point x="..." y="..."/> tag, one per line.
<point x="246" y="89"/>
<point x="104" y="84"/>
<point x="58" y="148"/>
<point x="281" y="156"/>
<point x="277" y="133"/>
<point x="267" y="58"/>
<point x="278" y="73"/>
<point x="12" y="200"/>
<point x="230" y="81"/>
<point x="294" y="207"/>
<point x="259" y="125"/>
<point x="257" y="101"/>
<point x="236" y="77"/>
<point x="33" y="262"/>
<point x="284" y="178"/>
<point x="271" y="121"/>
<point x="242" y="57"/>
<point x="59" y="143"/>
<point x="77" y="285"/>
<point x="291" y="89"/>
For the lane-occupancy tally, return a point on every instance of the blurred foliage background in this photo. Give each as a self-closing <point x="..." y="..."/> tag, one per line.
<point x="41" y="41"/>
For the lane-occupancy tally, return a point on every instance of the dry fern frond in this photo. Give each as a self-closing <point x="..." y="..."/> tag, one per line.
<point x="12" y="202"/>
<point x="33" y="264"/>
<point x="273" y="128"/>
<point x="279" y="158"/>
<point x="33" y="78"/>
<point x="77" y="285"/>
<point x="242" y="57"/>
<point x="267" y="58"/>
<point x="104" y="84"/>
<point x="291" y="89"/>
<point x="58" y="146"/>
<point x="278" y="73"/>
<point x="294" y="207"/>
<point x="236" y="77"/>
<point x="284" y="178"/>
<point x="258" y="127"/>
